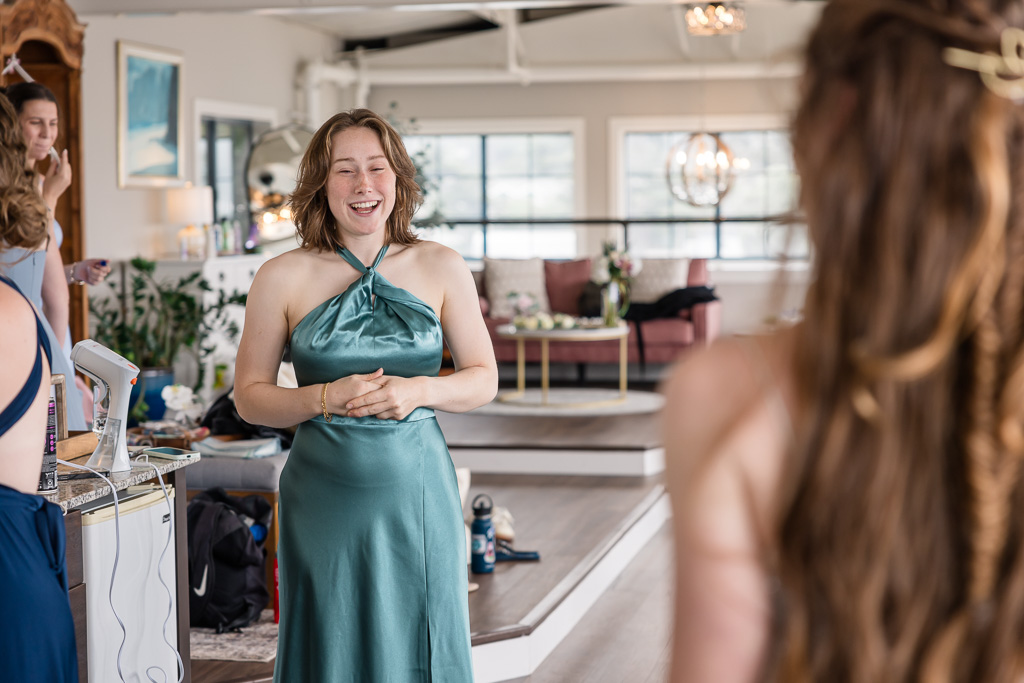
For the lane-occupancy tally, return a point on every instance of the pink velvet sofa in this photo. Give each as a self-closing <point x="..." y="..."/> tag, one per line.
<point x="663" y="339"/>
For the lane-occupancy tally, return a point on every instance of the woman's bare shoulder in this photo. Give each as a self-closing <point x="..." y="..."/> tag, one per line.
<point x="729" y="403"/>
<point x="15" y="310"/>
<point x="19" y="340"/>
<point x="435" y="262"/>
<point x="292" y="267"/>
<point x="435" y="254"/>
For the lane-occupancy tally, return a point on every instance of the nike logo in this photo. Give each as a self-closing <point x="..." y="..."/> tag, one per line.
<point x="201" y="590"/>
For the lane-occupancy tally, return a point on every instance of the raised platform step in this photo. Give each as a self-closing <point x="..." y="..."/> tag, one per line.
<point x="607" y="445"/>
<point x="587" y="530"/>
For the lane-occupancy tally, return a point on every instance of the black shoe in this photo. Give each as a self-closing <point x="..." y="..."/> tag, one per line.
<point x="504" y="552"/>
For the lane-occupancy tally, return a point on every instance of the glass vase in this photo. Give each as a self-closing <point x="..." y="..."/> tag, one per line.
<point x="610" y="304"/>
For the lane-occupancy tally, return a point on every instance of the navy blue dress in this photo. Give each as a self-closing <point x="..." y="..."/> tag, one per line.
<point x="37" y="634"/>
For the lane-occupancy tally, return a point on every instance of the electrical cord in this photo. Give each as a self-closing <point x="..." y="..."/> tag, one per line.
<point x="160" y="577"/>
<point x="113" y="572"/>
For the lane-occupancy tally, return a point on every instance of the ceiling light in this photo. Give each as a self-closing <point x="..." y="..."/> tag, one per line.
<point x="700" y="170"/>
<point x="715" y="18"/>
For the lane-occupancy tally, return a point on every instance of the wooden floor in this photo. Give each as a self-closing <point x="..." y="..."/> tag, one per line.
<point x="571" y="521"/>
<point x="626" y="634"/>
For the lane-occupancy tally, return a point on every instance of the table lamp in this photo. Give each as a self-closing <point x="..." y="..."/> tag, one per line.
<point x="191" y="206"/>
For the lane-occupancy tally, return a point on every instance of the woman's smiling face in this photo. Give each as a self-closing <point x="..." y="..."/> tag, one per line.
<point x="361" y="182"/>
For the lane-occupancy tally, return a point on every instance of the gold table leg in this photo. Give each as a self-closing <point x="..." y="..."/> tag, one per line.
<point x="623" y="366"/>
<point x="520" y="366"/>
<point x="515" y="396"/>
<point x="544" y="371"/>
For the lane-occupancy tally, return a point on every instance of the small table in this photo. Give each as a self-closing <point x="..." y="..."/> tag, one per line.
<point x="545" y="337"/>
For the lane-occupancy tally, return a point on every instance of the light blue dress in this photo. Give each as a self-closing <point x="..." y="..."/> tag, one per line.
<point x="25" y="269"/>
<point x="372" y="553"/>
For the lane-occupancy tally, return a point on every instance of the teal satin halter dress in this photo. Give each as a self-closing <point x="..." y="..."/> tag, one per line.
<point x="372" y="553"/>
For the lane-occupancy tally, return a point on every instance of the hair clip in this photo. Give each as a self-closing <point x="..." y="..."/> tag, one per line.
<point x="1002" y="74"/>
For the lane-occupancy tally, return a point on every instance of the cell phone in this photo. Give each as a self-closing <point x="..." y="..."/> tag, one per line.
<point x="168" y="453"/>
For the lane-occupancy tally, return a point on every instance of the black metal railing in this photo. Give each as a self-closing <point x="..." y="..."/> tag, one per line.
<point x="624" y="223"/>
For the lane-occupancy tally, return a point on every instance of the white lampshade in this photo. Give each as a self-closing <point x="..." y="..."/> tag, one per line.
<point x="190" y="205"/>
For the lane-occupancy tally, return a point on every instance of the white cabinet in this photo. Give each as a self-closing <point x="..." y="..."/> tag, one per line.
<point x="226" y="274"/>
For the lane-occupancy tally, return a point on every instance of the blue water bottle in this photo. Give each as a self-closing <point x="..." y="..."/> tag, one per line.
<point x="482" y="531"/>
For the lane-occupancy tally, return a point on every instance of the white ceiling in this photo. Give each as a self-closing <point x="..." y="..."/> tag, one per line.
<point x="367" y="19"/>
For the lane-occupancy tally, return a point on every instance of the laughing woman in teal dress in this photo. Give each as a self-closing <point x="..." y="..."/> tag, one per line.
<point x="372" y="553"/>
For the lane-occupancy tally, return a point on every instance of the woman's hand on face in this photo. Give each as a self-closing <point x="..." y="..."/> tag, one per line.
<point x="394" y="400"/>
<point x="56" y="180"/>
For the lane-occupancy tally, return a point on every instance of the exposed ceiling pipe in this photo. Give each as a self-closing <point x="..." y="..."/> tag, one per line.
<point x="318" y="73"/>
<point x="344" y="75"/>
<point x="513" y="45"/>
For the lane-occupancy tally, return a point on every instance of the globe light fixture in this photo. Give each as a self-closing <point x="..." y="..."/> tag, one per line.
<point x="700" y="170"/>
<point x="715" y="18"/>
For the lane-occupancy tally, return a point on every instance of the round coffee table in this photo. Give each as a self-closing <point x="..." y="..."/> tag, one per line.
<point x="545" y="337"/>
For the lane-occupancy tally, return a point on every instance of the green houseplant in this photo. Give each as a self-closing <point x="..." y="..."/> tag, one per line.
<point x="151" y="321"/>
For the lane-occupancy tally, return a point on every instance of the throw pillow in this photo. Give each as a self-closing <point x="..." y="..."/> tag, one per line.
<point x="658" y="277"/>
<point x="564" y="282"/>
<point x="502" y="276"/>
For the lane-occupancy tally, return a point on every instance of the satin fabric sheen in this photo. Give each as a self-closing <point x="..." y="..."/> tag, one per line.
<point x="37" y="634"/>
<point x="372" y="554"/>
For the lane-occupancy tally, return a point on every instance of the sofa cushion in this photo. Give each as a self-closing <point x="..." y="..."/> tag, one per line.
<point x="658" y="277"/>
<point x="502" y="276"/>
<point x="564" y="281"/>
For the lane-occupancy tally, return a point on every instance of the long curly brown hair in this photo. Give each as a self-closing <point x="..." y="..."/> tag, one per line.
<point x="901" y="537"/>
<point x="316" y="225"/>
<point x="23" y="221"/>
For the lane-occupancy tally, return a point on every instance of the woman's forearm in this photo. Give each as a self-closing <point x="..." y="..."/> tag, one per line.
<point x="463" y="390"/>
<point x="267" y="404"/>
<point x="55" y="291"/>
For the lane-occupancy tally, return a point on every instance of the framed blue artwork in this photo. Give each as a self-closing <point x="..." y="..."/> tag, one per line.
<point x="149" y="116"/>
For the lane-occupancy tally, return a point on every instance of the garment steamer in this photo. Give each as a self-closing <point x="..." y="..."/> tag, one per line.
<point x="115" y="376"/>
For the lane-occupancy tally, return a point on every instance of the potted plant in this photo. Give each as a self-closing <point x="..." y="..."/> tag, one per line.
<point x="150" y="321"/>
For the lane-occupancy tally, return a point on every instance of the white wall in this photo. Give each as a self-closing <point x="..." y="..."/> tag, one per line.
<point x="241" y="59"/>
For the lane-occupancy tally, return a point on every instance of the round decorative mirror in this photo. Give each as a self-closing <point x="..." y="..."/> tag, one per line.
<point x="270" y="175"/>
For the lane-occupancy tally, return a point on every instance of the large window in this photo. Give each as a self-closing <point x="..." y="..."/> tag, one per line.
<point x="744" y="225"/>
<point x="499" y="176"/>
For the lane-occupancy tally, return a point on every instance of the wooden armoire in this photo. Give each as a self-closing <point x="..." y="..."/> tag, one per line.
<point x="47" y="39"/>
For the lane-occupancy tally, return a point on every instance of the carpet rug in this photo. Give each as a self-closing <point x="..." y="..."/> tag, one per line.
<point x="637" y="402"/>
<point x="256" y="642"/>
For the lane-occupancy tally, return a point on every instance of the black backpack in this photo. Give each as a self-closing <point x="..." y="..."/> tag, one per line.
<point x="227" y="584"/>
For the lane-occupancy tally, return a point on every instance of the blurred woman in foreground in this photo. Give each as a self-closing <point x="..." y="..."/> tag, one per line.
<point x="848" y="499"/>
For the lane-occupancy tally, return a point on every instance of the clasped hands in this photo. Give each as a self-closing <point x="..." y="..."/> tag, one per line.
<point x="384" y="396"/>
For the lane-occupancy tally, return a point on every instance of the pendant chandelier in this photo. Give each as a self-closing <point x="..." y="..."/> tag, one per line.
<point x="700" y="170"/>
<point x="715" y="18"/>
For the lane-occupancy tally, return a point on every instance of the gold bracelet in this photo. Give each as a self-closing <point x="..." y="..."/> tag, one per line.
<point x="323" y="402"/>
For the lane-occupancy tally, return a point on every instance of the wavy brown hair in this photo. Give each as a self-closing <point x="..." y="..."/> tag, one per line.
<point x="23" y="221"/>
<point x="317" y="227"/>
<point x="901" y="524"/>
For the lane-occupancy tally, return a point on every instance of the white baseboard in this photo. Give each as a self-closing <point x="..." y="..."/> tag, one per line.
<point x="624" y="463"/>
<point x="517" y="657"/>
